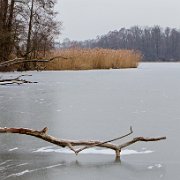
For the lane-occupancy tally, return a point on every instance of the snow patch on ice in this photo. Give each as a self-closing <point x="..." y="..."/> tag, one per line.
<point x="90" y="151"/>
<point x="13" y="149"/>
<point x="22" y="173"/>
<point x="33" y="170"/>
<point x="155" y="166"/>
<point x="158" y="165"/>
<point x="5" y="162"/>
<point x="23" y="164"/>
<point x="59" y="110"/>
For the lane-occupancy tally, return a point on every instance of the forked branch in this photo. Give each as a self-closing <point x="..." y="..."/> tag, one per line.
<point x="71" y="144"/>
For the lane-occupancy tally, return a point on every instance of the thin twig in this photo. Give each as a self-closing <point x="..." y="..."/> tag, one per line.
<point x="108" y="141"/>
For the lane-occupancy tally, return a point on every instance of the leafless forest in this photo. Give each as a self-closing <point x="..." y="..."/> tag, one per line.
<point x="27" y="28"/>
<point x="155" y="43"/>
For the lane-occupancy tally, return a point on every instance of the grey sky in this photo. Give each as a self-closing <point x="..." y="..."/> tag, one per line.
<point x="85" y="19"/>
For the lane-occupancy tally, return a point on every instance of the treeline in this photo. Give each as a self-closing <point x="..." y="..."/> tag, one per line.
<point x="27" y="28"/>
<point x="155" y="43"/>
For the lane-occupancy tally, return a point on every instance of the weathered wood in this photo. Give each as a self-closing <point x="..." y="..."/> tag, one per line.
<point x="72" y="143"/>
<point x="23" y="60"/>
<point x="134" y="140"/>
<point x="108" y="141"/>
<point x="16" y="80"/>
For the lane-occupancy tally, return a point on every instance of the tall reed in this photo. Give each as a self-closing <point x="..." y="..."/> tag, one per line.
<point x="84" y="59"/>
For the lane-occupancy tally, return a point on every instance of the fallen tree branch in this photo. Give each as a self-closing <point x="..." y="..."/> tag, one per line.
<point x="16" y="80"/>
<point x="72" y="143"/>
<point x="23" y="60"/>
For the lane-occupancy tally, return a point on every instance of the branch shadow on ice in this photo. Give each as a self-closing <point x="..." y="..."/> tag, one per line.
<point x="12" y="168"/>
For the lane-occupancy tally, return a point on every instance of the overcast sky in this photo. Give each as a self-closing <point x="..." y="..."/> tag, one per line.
<point x="85" y="19"/>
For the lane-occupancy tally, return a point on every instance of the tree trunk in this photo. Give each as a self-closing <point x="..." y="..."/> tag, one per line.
<point x="9" y="28"/>
<point x="3" y="30"/>
<point x="28" y="46"/>
<point x="6" y="43"/>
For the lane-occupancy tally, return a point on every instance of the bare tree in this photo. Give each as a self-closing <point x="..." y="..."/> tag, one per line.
<point x="155" y="43"/>
<point x="27" y="28"/>
<point x="6" y="23"/>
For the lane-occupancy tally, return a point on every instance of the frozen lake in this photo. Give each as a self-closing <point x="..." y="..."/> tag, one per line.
<point x="93" y="105"/>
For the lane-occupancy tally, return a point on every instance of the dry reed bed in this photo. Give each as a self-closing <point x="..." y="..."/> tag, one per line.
<point x="84" y="59"/>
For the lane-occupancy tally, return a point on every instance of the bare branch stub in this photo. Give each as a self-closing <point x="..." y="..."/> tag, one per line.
<point x="71" y="144"/>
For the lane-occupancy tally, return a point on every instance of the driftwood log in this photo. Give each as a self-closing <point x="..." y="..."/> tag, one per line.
<point x="37" y="67"/>
<point x="14" y="61"/>
<point x="82" y="145"/>
<point x="16" y="80"/>
<point x="23" y="60"/>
